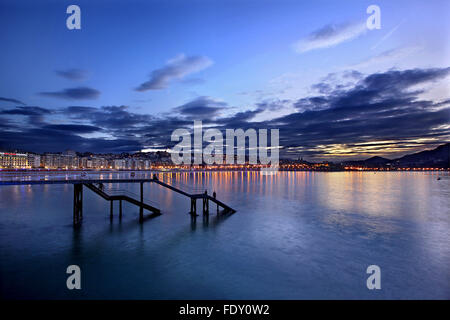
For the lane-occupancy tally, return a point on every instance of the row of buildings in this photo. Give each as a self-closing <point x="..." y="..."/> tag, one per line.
<point x="69" y="160"/>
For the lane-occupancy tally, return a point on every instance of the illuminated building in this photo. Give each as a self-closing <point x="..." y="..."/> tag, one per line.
<point x="55" y="161"/>
<point x="34" y="160"/>
<point x="119" y="164"/>
<point x="13" y="160"/>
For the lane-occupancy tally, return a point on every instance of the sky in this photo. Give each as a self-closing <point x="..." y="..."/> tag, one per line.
<point x="138" y="70"/>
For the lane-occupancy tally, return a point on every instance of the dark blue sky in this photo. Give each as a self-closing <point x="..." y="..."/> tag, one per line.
<point x="139" y="69"/>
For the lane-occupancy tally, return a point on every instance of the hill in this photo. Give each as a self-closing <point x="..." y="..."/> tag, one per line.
<point x="438" y="157"/>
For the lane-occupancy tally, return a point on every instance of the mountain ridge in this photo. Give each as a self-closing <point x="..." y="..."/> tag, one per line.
<point x="437" y="157"/>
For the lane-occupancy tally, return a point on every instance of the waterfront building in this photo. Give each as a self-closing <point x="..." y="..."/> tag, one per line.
<point x="34" y="160"/>
<point x="11" y="160"/>
<point x="99" y="163"/>
<point x="60" y="161"/>
<point x="119" y="164"/>
<point x="51" y="161"/>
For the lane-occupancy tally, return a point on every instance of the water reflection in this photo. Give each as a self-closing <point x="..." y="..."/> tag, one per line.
<point x="295" y="235"/>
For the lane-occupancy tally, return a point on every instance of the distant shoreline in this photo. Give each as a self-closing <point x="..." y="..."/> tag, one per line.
<point x="94" y="171"/>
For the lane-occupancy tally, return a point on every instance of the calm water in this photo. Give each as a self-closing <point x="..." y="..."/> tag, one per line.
<point x="296" y="235"/>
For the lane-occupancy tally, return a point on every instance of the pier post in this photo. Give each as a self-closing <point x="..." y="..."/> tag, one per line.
<point x="205" y="203"/>
<point x="217" y="205"/>
<point x="120" y="209"/>
<point x="75" y="196"/>
<point x="193" y="207"/>
<point x="111" y="210"/>
<point x="81" y="201"/>
<point x="77" y="203"/>
<point x="141" y="208"/>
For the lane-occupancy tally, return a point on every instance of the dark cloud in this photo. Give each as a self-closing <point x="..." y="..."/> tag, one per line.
<point x="35" y="114"/>
<point x="6" y="124"/>
<point x="379" y="107"/>
<point x="79" y="110"/>
<point x="117" y="118"/>
<point x="74" y="128"/>
<point x="399" y="80"/>
<point x="40" y="136"/>
<point x="26" y="111"/>
<point x="201" y="108"/>
<point x="12" y="100"/>
<point x="322" y="87"/>
<point x="79" y="93"/>
<point x="43" y="140"/>
<point x="72" y="74"/>
<point x="175" y="69"/>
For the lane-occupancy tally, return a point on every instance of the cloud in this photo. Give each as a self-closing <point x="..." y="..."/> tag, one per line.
<point x="109" y="117"/>
<point x="43" y="140"/>
<point x="201" y="108"/>
<point x="335" y="81"/>
<point x="79" y="110"/>
<point x="380" y="107"/>
<point x="26" y="111"/>
<point x="12" y="100"/>
<point x="74" y="128"/>
<point x="35" y="114"/>
<point x="78" y="93"/>
<point x="175" y="69"/>
<point x="72" y="74"/>
<point x="396" y="81"/>
<point x="329" y="36"/>
<point x="6" y="124"/>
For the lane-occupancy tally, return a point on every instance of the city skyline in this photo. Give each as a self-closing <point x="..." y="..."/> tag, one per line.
<point x="336" y="90"/>
<point x="435" y="159"/>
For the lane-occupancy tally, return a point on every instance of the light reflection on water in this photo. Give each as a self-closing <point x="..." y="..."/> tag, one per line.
<point x="295" y="235"/>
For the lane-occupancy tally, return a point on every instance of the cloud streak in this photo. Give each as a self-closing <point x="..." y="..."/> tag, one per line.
<point x="74" y="128"/>
<point x="72" y="74"/>
<point x="175" y="69"/>
<point x="12" y="101"/>
<point x="26" y="111"/>
<point x="201" y="108"/>
<point x="329" y="36"/>
<point x="78" y="93"/>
